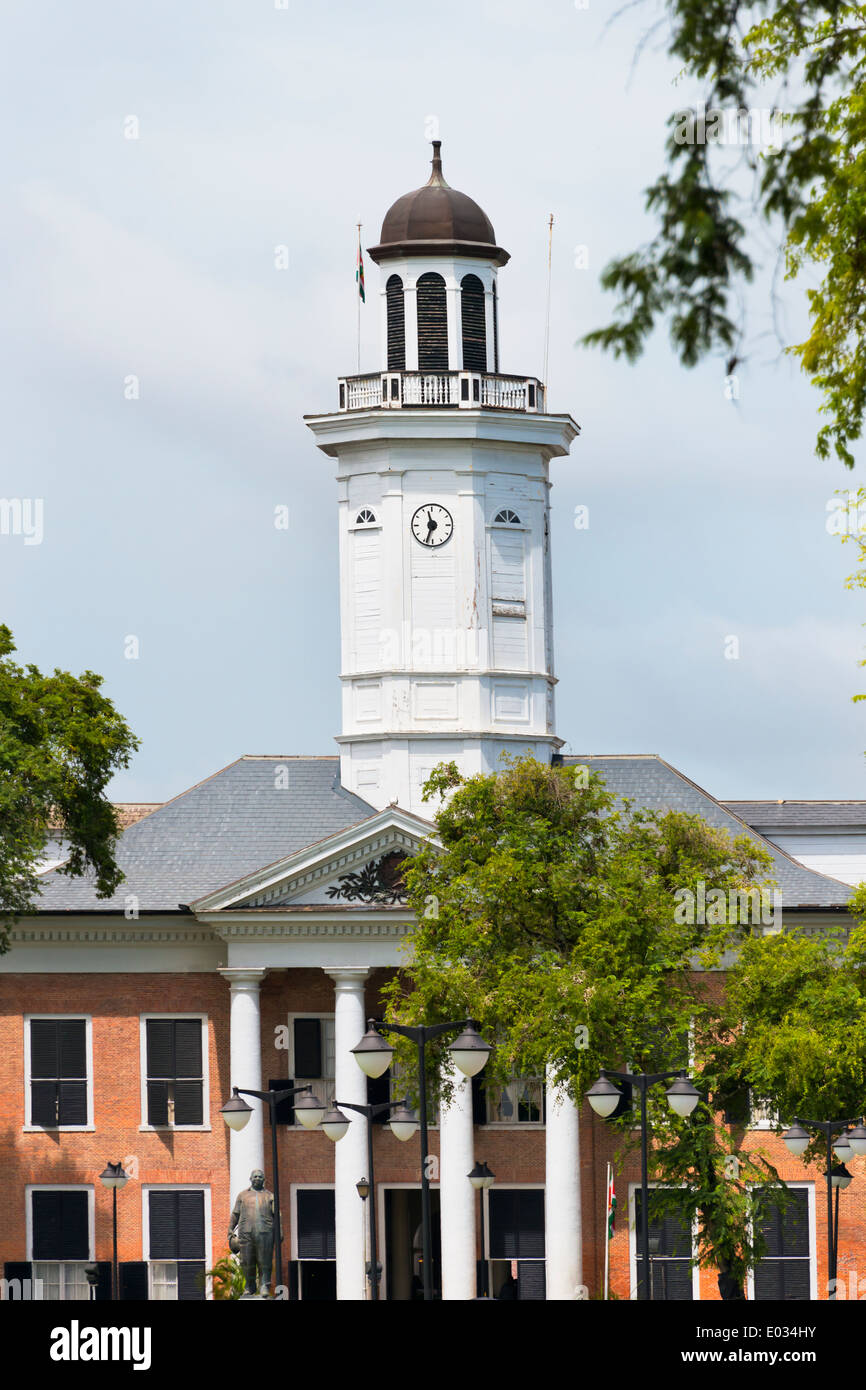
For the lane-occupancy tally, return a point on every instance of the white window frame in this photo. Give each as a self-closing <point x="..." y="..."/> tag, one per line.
<point x="331" y="1080"/>
<point x="146" y="1189"/>
<point x="205" y="1126"/>
<point x="29" y="1127"/>
<point x="633" y="1189"/>
<point x="813" y="1248"/>
<point x="506" y="1126"/>
<point x="30" y="1188"/>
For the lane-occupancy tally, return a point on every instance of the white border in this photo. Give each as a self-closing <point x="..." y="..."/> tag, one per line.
<point x="29" y="1127"/>
<point x="32" y="1187"/>
<point x="144" y="1127"/>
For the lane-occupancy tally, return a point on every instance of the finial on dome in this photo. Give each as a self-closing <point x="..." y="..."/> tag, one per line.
<point x="436" y="177"/>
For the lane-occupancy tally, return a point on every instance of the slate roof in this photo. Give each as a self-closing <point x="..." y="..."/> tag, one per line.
<point x="792" y="815"/>
<point x="655" y="785"/>
<point x="231" y="824"/>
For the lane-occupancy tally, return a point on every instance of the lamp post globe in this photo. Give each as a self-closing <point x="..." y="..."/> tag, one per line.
<point x="842" y="1147"/>
<point x="682" y="1096"/>
<point x="373" y="1053"/>
<point x="335" y="1124"/>
<point x="857" y="1139"/>
<point x="796" y="1140"/>
<point x="236" y="1112"/>
<point x="403" y="1123"/>
<point x="309" y="1110"/>
<point x="840" y="1177"/>
<point x="469" y="1051"/>
<point x="481" y="1177"/>
<point x="113" y="1176"/>
<point x="604" y="1096"/>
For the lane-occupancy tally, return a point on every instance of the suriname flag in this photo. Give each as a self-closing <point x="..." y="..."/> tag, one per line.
<point x="611" y="1208"/>
<point x="359" y="274"/>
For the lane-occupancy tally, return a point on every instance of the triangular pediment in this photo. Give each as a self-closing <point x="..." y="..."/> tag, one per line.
<point x="321" y="875"/>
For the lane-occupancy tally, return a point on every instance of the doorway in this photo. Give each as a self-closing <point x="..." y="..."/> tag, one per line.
<point x="404" y="1247"/>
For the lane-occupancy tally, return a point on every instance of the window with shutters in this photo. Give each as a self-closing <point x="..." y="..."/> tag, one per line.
<point x="474" y="328"/>
<point x="59" y="1072"/>
<point x="785" y="1274"/>
<point x="312" y="1053"/>
<point x="432" y="323"/>
<point x="174" y="1071"/>
<point x="516" y="1251"/>
<point x="520" y="1102"/>
<point x="314" y="1243"/>
<point x="396" y="317"/>
<point x="61" y="1224"/>
<point x="671" y="1248"/>
<point x="176" y="1224"/>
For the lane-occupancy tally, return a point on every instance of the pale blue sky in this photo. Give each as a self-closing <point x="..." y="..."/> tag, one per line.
<point x="260" y="127"/>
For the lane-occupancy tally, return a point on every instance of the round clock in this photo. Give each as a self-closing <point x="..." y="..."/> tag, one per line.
<point x="432" y="525"/>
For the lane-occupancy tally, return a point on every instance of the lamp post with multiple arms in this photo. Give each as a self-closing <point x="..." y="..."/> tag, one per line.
<point x="604" y="1097"/>
<point x="469" y="1052"/>
<point x="403" y="1126"/>
<point x="481" y="1179"/>
<point x="849" y="1141"/>
<point x="309" y="1111"/>
<point x="114" y="1177"/>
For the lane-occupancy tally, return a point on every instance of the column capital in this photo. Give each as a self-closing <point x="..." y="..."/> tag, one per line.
<point x="348" y="977"/>
<point x="247" y="978"/>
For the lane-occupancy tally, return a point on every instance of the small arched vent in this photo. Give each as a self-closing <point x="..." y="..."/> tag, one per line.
<point x="473" y="324"/>
<point x="506" y="518"/>
<point x="432" y="324"/>
<point x="396" y="315"/>
<point x="365" y="518"/>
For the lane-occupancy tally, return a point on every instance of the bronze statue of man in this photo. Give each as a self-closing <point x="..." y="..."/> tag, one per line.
<point x="251" y="1227"/>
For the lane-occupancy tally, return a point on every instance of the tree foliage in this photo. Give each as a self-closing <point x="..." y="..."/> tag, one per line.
<point x="548" y="912"/>
<point x="60" y="743"/>
<point x="811" y="184"/>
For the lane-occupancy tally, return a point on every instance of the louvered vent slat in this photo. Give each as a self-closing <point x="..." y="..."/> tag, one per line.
<point x="432" y="324"/>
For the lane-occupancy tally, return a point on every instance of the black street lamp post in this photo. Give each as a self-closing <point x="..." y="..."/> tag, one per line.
<point x="335" y="1124"/>
<point x="849" y="1141"/>
<point x="604" y="1097"/>
<point x="469" y="1052"/>
<point x="481" y="1179"/>
<point x="309" y="1111"/>
<point x="114" y="1177"/>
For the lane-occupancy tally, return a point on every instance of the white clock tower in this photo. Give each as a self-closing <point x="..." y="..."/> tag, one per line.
<point x="443" y="471"/>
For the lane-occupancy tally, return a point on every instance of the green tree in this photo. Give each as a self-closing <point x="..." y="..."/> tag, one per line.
<point x="556" y="918"/>
<point x="812" y="184"/>
<point x="60" y="743"/>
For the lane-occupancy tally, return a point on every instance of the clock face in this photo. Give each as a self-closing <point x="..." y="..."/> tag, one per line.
<point x="432" y="525"/>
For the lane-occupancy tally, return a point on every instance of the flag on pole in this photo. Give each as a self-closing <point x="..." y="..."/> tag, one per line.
<point x="611" y="1205"/>
<point x="359" y="273"/>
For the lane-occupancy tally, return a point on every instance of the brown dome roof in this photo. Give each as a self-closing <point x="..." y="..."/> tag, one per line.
<point x="436" y="219"/>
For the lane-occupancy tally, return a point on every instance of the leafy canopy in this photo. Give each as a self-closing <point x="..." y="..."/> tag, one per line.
<point x="60" y="743"/>
<point x="811" y="183"/>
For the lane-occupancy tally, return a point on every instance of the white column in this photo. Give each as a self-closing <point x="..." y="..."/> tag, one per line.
<point x="457" y="1196"/>
<point x="455" y="326"/>
<point x="410" y="311"/>
<point x="563" y="1232"/>
<point x="350" y="1153"/>
<point x="246" y="1146"/>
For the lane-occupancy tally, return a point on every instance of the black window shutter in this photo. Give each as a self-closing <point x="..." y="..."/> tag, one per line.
<point x="284" y="1110"/>
<point x="293" y="1281"/>
<point x="19" y="1279"/>
<point x="157" y="1102"/>
<point x="43" y="1103"/>
<point x="72" y="1105"/>
<point x="316" y="1225"/>
<point x="191" y="1281"/>
<point x="187" y="1034"/>
<point x="432" y="323"/>
<point x="72" y="1047"/>
<point x="396" y="316"/>
<point x="308" y="1048"/>
<point x="479" y="1102"/>
<point x="379" y="1093"/>
<point x="516" y="1224"/>
<point x="160" y="1047"/>
<point x="188" y="1103"/>
<point x="103" y="1284"/>
<point x="190" y="1225"/>
<point x="162" y="1217"/>
<point x="60" y="1230"/>
<point x="132" y="1279"/>
<point x="473" y="325"/>
<point x="43" y="1047"/>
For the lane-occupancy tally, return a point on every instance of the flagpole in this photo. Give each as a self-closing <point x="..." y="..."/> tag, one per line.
<point x="547" y="314"/>
<point x="358" y="297"/>
<point x="607" y="1230"/>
